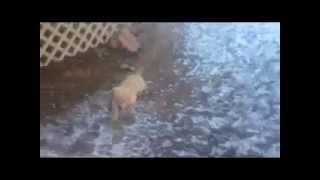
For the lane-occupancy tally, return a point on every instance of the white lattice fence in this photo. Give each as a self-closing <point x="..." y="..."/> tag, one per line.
<point x="58" y="40"/>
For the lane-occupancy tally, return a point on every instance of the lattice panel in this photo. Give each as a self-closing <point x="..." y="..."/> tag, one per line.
<point x="58" y="40"/>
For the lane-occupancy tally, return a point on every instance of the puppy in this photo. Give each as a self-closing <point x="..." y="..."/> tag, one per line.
<point x="125" y="95"/>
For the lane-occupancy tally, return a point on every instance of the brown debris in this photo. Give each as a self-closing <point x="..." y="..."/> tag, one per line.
<point x="129" y="41"/>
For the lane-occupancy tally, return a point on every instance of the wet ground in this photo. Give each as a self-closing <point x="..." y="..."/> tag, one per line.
<point x="214" y="92"/>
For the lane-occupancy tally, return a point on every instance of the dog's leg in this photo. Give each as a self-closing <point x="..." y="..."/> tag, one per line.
<point x="115" y="111"/>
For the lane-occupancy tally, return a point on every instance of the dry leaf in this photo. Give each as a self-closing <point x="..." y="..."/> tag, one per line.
<point x="129" y="41"/>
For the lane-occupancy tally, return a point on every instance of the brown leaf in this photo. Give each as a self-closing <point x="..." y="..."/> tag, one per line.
<point x="129" y="41"/>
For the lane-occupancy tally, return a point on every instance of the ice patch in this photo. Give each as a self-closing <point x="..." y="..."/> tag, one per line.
<point x="206" y="89"/>
<point x="216" y="122"/>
